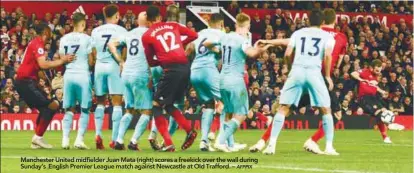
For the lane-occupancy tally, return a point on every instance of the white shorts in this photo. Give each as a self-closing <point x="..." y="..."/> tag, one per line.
<point x="302" y="79"/>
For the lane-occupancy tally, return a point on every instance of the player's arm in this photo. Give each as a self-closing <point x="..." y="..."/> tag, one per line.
<point x="189" y="50"/>
<point x="112" y="48"/>
<point x="343" y="52"/>
<point x="276" y="42"/>
<point x="43" y="64"/>
<point x="191" y="35"/>
<point x="328" y="61"/>
<point x="212" y="46"/>
<point x="356" y="75"/>
<point x="149" y="52"/>
<point x="255" y="51"/>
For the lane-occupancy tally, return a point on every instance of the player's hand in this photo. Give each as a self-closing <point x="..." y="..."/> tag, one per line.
<point x="68" y="58"/>
<point x="330" y="83"/>
<point x="260" y="42"/>
<point x="373" y="82"/>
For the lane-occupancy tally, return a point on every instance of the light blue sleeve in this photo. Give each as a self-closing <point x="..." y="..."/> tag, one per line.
<point x="292" y="40"/>
<point x="89" y="45"/>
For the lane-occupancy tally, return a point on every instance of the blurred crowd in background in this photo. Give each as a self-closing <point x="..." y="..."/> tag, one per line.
<point x="367" y="40"/>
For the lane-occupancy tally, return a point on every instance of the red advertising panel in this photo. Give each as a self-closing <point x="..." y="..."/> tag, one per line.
<point x="28" y="122"/>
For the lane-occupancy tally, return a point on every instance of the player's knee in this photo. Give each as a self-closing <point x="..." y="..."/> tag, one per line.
<point x="146" y="112"/>
<point x="100" y="100"/>
<point x="325" y="110"/>
<point x="131" y="111"/>
<point x="240" y="118"/>
<point x="54" y="105"/>
<point x="116" y="100"/>
<point x="284" y="110"/>
<point x="210" y="104"/>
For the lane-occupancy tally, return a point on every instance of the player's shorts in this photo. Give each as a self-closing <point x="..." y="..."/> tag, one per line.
<point x="234" y="96"/>
<point x="34" y="96"/>
<point x="137" y="95"/>
<point x="172" y="84"/>
<point x="206" y="82"/>
<point x="335" y="104"/>
<point x="107" y="79"/>
<point x="302" y="79"/>
<point x="371" y="103"/>
<point x="77" y="88"/>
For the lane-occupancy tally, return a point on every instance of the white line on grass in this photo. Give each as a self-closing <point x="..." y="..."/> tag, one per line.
<point x="277" y="167"/>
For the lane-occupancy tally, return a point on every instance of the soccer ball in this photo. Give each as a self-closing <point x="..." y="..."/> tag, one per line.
<point x="387" y="117"/>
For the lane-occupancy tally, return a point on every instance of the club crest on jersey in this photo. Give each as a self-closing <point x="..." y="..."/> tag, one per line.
<point x="40" y="51"/>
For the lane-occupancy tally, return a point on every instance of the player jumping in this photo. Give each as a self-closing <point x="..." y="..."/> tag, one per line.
<point x="77" y="82"/>
<point x="137" y="82"/>
<point x="312" y="46"/>
<point x="107" y="73"/>
<point x="235" y="48"/>
<point x="163" y="40"/>
<point x="27" y="78"/>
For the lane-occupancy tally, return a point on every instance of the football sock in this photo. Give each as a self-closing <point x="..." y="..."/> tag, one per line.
<point x="172" y="126"/>
<point x="230" y="141"/>
<point x="82" y="124"/>
<point x="222" y="122"/>
<point x="215" y="124"/>
<point x="229" y="130"/>
<point x="161" y="124"/>
<point x="116" y="119"/>
<point x="206" y="120"/>
<point x="99" y="116"/>
<point x="179" y="117"/>
<point x="45" y="117"/>
<point x="319" y="134"/>
<point x="266" y="134"/>
<point x="67" y="123"/>
<point x="123" y="126"/>
<point x="278" y="122"/>
<point x="328" y="128"/>
<point x="154" y="131"/>
<point x="140" y="127"/>
<point x="383" y="129"/>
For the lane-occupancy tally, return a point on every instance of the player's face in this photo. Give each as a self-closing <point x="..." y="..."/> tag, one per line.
<point x="82" y="24"/>
<point x="47" y="34"/>
<point x="377" y="70"/>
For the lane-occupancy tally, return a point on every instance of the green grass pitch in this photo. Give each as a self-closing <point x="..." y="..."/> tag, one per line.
<point x="361" y="151"/>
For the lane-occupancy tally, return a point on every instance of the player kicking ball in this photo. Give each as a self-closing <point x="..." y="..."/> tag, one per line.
<point x="311" y="46"/>
<point x="338" y="52"/>
<point x="77" y="82"/>
<point x="137" y="82"/>
<point x="107" y="73"/>
<point x="369" y="100"/>
<point x="235" y="48"/>
<point x="163" y="39"/>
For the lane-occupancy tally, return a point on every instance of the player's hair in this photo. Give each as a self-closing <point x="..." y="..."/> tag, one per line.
<point x="40" y="28"/>
<point x="110" y="10"/>
<point x="216" y="17"/>
<point x="376" y="63"/>
<point x="316" y="17"/>
<point x="329" y="16"/>
<point x="78" y="17"/>
<point x="242" y="19"/>
<point x="153" y="12"/>
<point x="173" y="13"/>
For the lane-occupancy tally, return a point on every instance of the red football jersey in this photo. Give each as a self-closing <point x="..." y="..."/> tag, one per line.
<point x="163" y="39"/>
<point x="364" y="87"/>
<point x="29" y="67"/>
<point x="341" y="43"/>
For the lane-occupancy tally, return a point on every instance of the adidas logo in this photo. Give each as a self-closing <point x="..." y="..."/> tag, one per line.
<point x="80" y="10"/>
